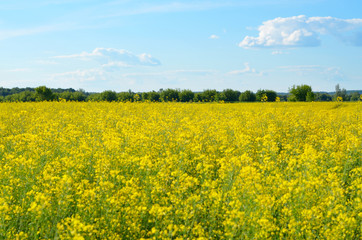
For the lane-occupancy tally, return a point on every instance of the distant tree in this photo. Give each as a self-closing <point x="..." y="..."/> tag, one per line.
<point x="283" y="97"/>
<point x="144" y="96"/>
<point x="270" y="95"/>
<point x="27" y="96"/>
<point x="60" y="90"/>
<point x="14" y="90"/>
<point x="323" y="97"/>
<point x="3" y="92"/>
<point x="108" y="96"/>
<point x="355" y="96"/>
<point x="186" y="95"/>
<point x="44" y="94"/>
<point x="72" y="96"/>
<point x="64" y="95"/>
<point x="229" y="95"/>
<point x="125" y="96"/>
<point x="209" y="95"/>
<point x="197" y="97"/>
<point x="300" y="93"/>
<point x="310" y="97"/>
<point x="79" y="96"/>
<point x="94" y="97"/>
<point x="340" y="93"/>
<point x="153" y="96"/>
<point x="247" y="96"/>
<point x="170" y="95"/>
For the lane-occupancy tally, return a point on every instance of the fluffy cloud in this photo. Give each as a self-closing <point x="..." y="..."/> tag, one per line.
<point x="302" y="31"/>
<point x="110" y="57"/>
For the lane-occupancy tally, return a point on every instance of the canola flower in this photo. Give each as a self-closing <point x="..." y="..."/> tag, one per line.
<point x="180" y="171"/>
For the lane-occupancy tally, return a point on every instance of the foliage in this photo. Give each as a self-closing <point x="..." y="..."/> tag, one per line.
<point x="310" y="97"/>
<point x="340" y="93"/>
<point x="186" y="95"/>
<point x="209" y="95"/>
<point x="107" y="170"/>
<point x="44" y="94"/>
<point x="197" y="97"/>
<point x="229" y="95"/>
<point x="72" y="96"/>
<point x="355" y="96"/>
<point x="10" y="91"/>
<point x="323" y="97"/>
<point x="125" y="96"/>
<point x="25" y="96"/>
<point x="247" y="96"/>
<point x="301" y="93"/>
<point x="108" y="96"/>
<point x="170" y="95"/>
<point x="269" y="94"/>
<point x="151" y="96"/>
<point x="94" y="97"/>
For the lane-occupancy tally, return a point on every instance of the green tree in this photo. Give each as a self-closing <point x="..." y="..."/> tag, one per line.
<point x="310" y="97"/>
<point x="270" y="94"/>
<point x="27" y="96"/>
<point x="229" y="95"/>
<point x="79" y="96"/>
<point x="300" y="93"/>
<point x="153" y="96"/>
<point x="94" y="97"/>
<point x="44" y="94"/>
<point x="186" y="95"/>
<point x="108" y="96"/>
<point x="247" y="96"/>
<point x="340" y="93"/>
<point x="197" y="97"/>
<point x="209" y="95"/>
<point x="169" y="95"/>
<point x="323" y="97"/>
<point x="125" y="96"/>
<point x="355" y="96"/>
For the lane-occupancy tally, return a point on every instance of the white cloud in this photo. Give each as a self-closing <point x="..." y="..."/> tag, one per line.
<point x="301" y="31"/>
<point x="214" y="37"/>
<point x="110" y="57"/>
<point x="247" y="70"/>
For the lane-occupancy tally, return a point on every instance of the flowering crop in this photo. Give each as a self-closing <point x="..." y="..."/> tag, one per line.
<point x="180" y="171"/>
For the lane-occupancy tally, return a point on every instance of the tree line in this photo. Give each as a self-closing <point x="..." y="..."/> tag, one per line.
<point x="299" y="93"/>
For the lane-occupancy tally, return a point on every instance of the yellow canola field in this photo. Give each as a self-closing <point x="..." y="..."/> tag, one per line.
<point x="180" y="171"/>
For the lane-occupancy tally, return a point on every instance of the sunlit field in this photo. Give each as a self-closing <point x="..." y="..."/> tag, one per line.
<point x="180" y="171"/>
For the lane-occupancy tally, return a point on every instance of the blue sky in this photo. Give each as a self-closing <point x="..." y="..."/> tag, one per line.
<point x="147" y="45"/>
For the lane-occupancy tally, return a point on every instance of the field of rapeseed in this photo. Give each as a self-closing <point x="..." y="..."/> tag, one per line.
<point x="180" y="171"/>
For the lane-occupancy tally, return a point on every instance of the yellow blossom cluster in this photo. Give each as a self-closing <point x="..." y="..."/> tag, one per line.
<point x="97" y="170"/>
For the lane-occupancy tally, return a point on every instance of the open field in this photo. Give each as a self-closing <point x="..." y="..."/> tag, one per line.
<point x="180" y="171"/>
